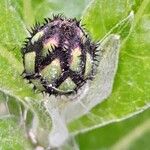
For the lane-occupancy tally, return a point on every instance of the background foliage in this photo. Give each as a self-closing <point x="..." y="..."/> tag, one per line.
<point x="131" y="91"/>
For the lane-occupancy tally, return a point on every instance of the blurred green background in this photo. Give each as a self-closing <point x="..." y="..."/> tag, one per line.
<point x="131" y="92"/>
<point x="130" y="134"/>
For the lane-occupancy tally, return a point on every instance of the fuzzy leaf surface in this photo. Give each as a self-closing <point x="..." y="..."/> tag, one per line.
<point x="131" y="90"/>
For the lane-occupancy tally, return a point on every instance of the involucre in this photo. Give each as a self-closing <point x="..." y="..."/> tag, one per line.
<point x="59" y="56"/>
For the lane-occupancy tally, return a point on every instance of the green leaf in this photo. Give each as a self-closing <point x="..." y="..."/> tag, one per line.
<point x="12" y="28"/>
<point x="16" y="90"/>
<point x="130" y="134"/>
<point x="18" y="94"/>
<point x="69" y="8"/>
<point x="101" y="16"/>
<point x="131" y="90"/>
<point x="36" y="10"/>
<point x="11" y="137"/>
<point x="10" y="74"/>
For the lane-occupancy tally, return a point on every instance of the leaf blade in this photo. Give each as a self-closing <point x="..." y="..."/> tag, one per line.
<point x="130" y="91"/>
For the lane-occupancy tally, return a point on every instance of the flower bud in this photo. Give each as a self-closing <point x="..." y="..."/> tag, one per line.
<point x="59" y="57"/>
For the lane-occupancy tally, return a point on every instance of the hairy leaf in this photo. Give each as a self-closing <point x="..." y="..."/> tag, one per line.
<point x="131" y="90"/>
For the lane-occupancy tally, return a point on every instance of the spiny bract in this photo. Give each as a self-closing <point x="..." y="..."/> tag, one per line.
<point x="59" y="56"/>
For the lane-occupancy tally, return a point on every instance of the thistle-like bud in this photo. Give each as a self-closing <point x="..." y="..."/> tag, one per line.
<point x="59" y="57"/>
